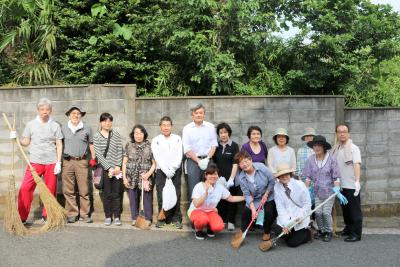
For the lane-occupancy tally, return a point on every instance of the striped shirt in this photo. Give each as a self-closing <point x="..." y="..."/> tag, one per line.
<point x="114" y="154"/>
<point x="302" y="155"/>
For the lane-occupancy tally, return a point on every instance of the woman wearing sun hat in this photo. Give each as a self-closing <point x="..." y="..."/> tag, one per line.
<point x="322" y="169"/>
<point x="281" y="153"/>
<point x="293" y="204"/>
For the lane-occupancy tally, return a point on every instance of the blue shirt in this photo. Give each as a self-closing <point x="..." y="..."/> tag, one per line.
<point x="263" y="181"/>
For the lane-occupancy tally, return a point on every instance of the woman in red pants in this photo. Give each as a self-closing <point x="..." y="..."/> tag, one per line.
<point x="205" y="198"/>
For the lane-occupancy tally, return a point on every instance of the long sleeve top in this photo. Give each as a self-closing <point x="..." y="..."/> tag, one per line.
<point x="263" y="181"/>
<point x="276" y="157"/>
<point x="287" y="210"/>
<point x="167" y="151"/>
<point x="114" y="154"/>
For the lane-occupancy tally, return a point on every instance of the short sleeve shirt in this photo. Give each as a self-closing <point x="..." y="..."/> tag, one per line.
<point x="215" y="194"/>
<point x="43" y="136"/>
<point x="347" y="168"/>
<point x="76" y="144"/>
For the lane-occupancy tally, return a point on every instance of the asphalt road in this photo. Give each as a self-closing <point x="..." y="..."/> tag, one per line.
<point x="97" y="246"/>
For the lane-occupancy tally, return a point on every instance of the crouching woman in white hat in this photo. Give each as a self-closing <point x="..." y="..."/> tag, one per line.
<point x="293" y="204"/>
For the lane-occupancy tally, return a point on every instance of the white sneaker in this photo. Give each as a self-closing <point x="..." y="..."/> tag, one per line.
<point x="117" y="222"/>
<point x="231" y="227"/>
<point x="107" y="222"/>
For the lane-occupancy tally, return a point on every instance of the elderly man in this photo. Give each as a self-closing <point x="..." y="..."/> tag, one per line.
<point x="44" y="138"/>
<point x="199" y="144"/>
<point x="78" y="139"/>
<point x="348" y="157"/>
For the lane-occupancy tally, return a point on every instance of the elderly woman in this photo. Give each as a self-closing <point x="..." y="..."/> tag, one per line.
<point x="256" y="182"/>
<point x="281" y="153"/>
<point x="293" y="204"/>
<point x="108" y="147"/>
<point x="224" y="158"/>
<point x="138" y="167"/>
<point x="322" y="169"/>
<point x="205" y="198"/>
<point x="256" y="148"/>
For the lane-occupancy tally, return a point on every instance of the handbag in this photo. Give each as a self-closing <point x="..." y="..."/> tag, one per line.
<point x="98" y="173"/>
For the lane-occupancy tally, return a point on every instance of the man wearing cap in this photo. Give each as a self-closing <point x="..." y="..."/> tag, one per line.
<point x="44" y="138"/>
<point x="293" y="205"/>
<point x="348" y="157"/>
<point x="78" y="139"/>
<point x="199" y="140"/>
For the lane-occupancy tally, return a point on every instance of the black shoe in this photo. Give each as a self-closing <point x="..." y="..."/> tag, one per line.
<point x="319" y="235"/>
<point x="327" y="237"/>
<point x="160" y="224"/>
<point x="344" y="232"/>
<point x="199" y="235"/>
<point x="210" y="233"/>
<point x="352" y="239"/>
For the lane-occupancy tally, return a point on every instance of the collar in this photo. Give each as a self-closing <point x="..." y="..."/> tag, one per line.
<point x="193" y="125"/>
<point x="290" y="184"/>
<point x="74" y="128"/>
<point x="40" y="120"/>
<point x="229" y="143"/>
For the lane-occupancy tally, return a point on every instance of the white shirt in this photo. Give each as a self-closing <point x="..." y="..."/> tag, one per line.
<point x="287" y="210"/>
<point x="167" y="151"/>
<point x="215" y="194"/>
<point x="347" y="168"/>
<point x="199" y="139"/>
<point x="276" y="157"/>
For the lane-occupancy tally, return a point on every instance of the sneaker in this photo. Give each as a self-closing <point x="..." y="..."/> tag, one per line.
<point x="43" y="220"/>
<point x="117" y="222"/>
<point x="107" y="222"/>
<point x="319" y="235"/>
<point x="133" y="222"/>
<point x="199" y="235"/>
<point x="160" y="224"/>
<point x="178" y="225"/>
<point x="87" y="219"/>
<point x="231" y="227"/>
<point x="327" y="237"/>
<point x="210" y="233"/>
<point x="71" y="219"/>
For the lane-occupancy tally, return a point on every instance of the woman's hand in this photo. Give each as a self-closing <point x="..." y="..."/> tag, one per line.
<point x="285" y="230"/>
<point x="117" y="170"/>
<point x="253" y="212"/>
<point x="145" y="176"/>
<point x="126" y="183"/>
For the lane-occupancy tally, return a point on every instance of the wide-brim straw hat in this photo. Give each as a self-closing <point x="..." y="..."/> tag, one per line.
<point x="280" y="131"/>
<point x="282" y="169"/>
<point x="72" y="107"/>
<point x="319" y="140"/>
<point x="308" y="132"/>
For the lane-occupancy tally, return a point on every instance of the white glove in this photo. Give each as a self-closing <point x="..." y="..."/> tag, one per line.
<point x="57" y="168"/>
<point x="358" y="187"/>
<point x="119" y="176"/>
<point x="222" y="181"/>
<point x="13" y="135"/>
<point x="230" y="183"/>
<point x="203" y="163"/>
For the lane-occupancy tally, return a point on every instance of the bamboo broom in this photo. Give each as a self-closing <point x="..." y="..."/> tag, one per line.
<point x="56" y="217"/>
<point x="12" y="221"/>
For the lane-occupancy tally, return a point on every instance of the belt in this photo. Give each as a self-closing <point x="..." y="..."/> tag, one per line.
<point x="75" y="158"/>
<point x="202" y="157"/>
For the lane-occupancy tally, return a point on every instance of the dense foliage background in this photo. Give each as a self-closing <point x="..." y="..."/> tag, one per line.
<point x="206" y="47"/>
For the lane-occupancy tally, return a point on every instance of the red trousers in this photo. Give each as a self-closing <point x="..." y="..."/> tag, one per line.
<point x="203" y="219"/>
<point x="28" y="186"/>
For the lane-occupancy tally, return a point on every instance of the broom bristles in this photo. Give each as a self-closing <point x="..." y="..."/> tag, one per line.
<point x="12" y="221"/>
<point x="56" y="217"/>
<point x="237" y="240"/>
<point x="161" y="215"/>
<point x="142" y="223"/>
<point x="265" y="245"/>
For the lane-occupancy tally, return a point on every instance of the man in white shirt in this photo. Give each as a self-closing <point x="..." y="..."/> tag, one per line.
<point x="199" y="144"/>
<point x="348" y="157"/>
<point x="167" y="151"/>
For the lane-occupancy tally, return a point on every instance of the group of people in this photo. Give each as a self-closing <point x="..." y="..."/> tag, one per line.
<point x="273" y="183"/>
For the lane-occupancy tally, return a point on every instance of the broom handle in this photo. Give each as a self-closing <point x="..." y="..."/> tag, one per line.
<point x="141" y="199"/>
<point x="18" y="142"/>
<point x="260" y="207"/>
<point x="309" y="214"/>
<point x="13" y="150"/>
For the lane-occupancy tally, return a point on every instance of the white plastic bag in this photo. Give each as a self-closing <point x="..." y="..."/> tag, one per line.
<point x="168" y="195"/>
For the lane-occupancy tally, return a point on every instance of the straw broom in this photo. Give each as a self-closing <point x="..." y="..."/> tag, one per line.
<point x="12" y="221"/>
<point x="56" y="217"/>
<point x="141" y="221"/>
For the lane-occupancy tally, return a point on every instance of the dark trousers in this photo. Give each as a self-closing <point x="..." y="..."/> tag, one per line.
<point x="112" y="196"/>
<point x="296" y="238"/>
<point x="134" y="203"/>
<point x="194" y="175"/>
<point x="227" y="210"/>
<point x="352" y="214"/>
<point x="174" y="214"/>
<point x="270" y="215"/>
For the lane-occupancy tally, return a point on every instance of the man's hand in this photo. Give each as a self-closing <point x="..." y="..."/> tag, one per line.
<point x="13" y="135"/>
<point x="57" y="168"/>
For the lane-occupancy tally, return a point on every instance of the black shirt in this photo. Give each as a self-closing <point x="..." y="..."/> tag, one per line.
<point x="224" y="158"/>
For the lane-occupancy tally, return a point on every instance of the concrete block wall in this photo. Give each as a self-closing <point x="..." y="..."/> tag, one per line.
<point x="376" y="132"/>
